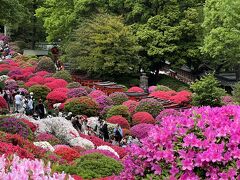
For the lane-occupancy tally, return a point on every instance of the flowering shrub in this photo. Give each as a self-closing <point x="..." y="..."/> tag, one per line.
<point x="182" y="97"/>
<point x="57" y="83"/>
<point x="136" y="89"/>
<point x="121" y="151"/>
<point x="56" y="97"/>
<point x="3" y="105"/>
<point x="11" y="84"/>
<point x="73" y="85"/>
<point x="108" y="148"/>
<point x="119" y="120"/>
<point x="132" y="105"/>
<point x="15" y="126"/>
<point x="49" y="79"/>
<point x="104" y="152"/>
<point x="31" y="125"/>
<point x="166" y="95"/>
<point x="9" y="149"/>
<point x="93" y="165"/>
<point x="83" y="105"/>
<point x="46" y="64"/>
<point x="96" y="93"/>
<point x="23" y="90"/>
<point x="141" y="130"/>
<point x="67" y="153"/>
<point x="118" y="98"/>
<point x="142" y="117"/>
<point x="95" y="140"/>
<point x="39" y="91"/>
<point x="63" y="90"/>
<point x="150" y="105"/>
<point x="28" y="169"/>
<point x="37" y="79"/>
<point x="152" y="89"/>
<point x="42" y="73"/>
<point x="167" y="112"/>
<point x="45" y="145"/>
<point x="119" y="110"/>
<point x="227" y="100"/>
<point x="76" y="92"/>
<point x="104" y="101"/>
<point x="30" y="84"/>
<point x="49" y="138"/>
<point x="201" y="143"/>
<point x="63" y="75"/>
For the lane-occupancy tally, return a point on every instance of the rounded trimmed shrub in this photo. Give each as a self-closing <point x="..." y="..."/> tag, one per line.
<point x="63" y="75"/>
<point x="11" y="84"/>
<point x="141" y="130"/>
<point x="56" y="97"/>
<point x="82" y="106"/>
<point x="37" y="79"/>
<point x="162" y="88"/>
<point x="119" y="110"/>
<point x="39" y="91"/>
<point x="76" y="92"/>
<point x="167" y="112"/>
<point x="93" y="165"/>
<point x="104" y="101"/>
<point x="132" y="105"/>
<point x="135" y="89"/>
<point x="67" y="153"/>
<point x="142" y="117"/>
<point x="119" y="120"/>
<point x="46" y="64"/>
<point x="73" y="85"/>
<point x="150" y="105"/>
<point x="3" y="106"/>
<point x="57" y="83"/>
<point x="118" y="98"/>
<point x="49" y="138"/>
<point x="96" y="93"/>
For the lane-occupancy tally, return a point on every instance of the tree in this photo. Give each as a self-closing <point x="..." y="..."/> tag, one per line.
<point x="222" y="33"/>
<point x="103" y="45"/>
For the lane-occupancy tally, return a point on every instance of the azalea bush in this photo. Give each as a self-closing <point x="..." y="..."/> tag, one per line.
<point x="135" y="89"/>
<point x="46" y="64"/>
<point x="93" y="165"/>
<point x="104" y="101"/>
<point x="141" y="130"/>
<point x="67" y="153"/>
<point x="119" y="120"/>
<point x="83" y="106"/>
<point x="49" y="138"/>
<point x="132" y="105"/>
<point x="119" y="110"/>
<point x="150" y="105"/>
<point x="103" y="152"/>
<point x="56" y="97"/>
<point x="11" y="84"/>
<point x="76" y="92"/>
<point x="3" y="106"/>
<point x="167" y="112"/>
<point x="63" y="75"/>
<point x="96" y="93"/>
<point x="73" y="85"/>
<point x="39" y="91"/>
<point x="142" y="117"/>
<point x="118" y="98"/>
<point x="57" y="83"/>
<point x="200" y="143"/>
<point x="227" y="100"/>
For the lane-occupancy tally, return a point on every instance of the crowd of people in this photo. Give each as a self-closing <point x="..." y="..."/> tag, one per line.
<point x="4" y="51"/>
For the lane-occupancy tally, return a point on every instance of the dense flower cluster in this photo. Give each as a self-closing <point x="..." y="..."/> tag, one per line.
<point x="56" y="97"/>
<point x="118" y="98"/>
<point x="57" y="83"/>
<point x="135" y="89"/>
<point x="67" y="153"/>
<point x="96" y="93"/>
<point x="49" y="138"/>
<point x="119" y="120"/>
<point x="11" y="84"/>
<point x="76" y="92"/>
<point x="132" y="105"/>
<point x="104" y="101"/>
<point x="200" y="143"/>
<point x="142" y="117"/>
<point x="167" y="112"/>
<point x="141" y="130"/>
<point x="3" y="104"/>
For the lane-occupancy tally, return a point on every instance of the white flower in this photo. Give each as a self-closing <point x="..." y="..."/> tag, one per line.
<point x="79" y="141"/>
<point x="45" y="145"/>
<point x="108" y="148"/>
<point x="3" y="78"/>
<point x="92" y="122"/>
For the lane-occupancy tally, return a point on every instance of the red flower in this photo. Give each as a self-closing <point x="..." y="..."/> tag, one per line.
<point x="31" y="125"/>
<point x="67" y="153"/>
<point x="37" y="79"/>
<point x="58" y="83"/>
<point x="121" y="151"/>
<point x="119" y="120"/>
<point x="64" y="90"/>
<point x="166" y="95"/>
<point x="30" y="83"/>
<point x="3" y="103"/>
<point x="142" y="117"/>
<point x="42" y="73"/>
<point x="49" y="79"/>
<point x="56" y="97"/>
<point x="135" y="89"/>
<point x="131" y="105"/>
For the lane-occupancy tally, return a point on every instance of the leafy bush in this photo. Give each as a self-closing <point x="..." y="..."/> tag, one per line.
<point x="4" y="72"/>
<point x="236" y="93"/>
<point x="15" y="126"/>
<point x="118" y="98"/>
<point x="49" y="138"/>
<point x="227" y="100"/>
<point x="150" y="105"/>
<point x="63" y="75"/>
<point x="207" y="92"/>
<point x="39" y="91"/>
<point x="93" y="165"/>
<point x="73" y="85"/>
<point x="119" y="110"/>
<point x="3" y="106"/>
<point x="142" y="117"/>
<point x="162" y="88"/>
<point x="83" y="106"/>
<point x="46" y="64"/>
<point x="76" y="92"/>
<point x="31" y="125"/>
<point x="119" y="120"/>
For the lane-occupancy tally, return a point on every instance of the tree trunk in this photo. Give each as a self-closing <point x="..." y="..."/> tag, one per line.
<point x="34" y="21"/>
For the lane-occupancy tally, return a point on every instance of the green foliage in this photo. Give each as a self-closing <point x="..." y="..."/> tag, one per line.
<point x="63" y="75"/>
<point x="4" y="72"/>
<point x="162" y="88"/>
<point x="119" y="110"/>
<point x="104" y="46"/>
<point x="206" y="92"/>
<point x="73" y="85"/>
<point x="39" y="91"/>
<point x="236" y="92"/>
<point x="82" y="106"/>
<point x="93" y="166"/>
<point x="46" y="64"/>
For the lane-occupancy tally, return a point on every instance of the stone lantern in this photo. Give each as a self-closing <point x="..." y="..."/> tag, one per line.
<point x="144" y="81"/>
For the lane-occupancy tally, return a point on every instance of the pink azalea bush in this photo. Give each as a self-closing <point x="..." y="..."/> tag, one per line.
<point x="104" y="101"/>
<point x="131" y="104"/>
<point x="135" y="89"/>
<point x="76" y="92"/>
<point x="141" y="130"/>
<point x="200" y="143"/>
<point x="96" y="93"/>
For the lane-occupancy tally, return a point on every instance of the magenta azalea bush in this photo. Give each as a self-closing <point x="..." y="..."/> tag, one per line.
<point x="141" y="130"/>
<point x="167" y="112"/>
<point x="76" y="92"/>
<point x="104" y="101"/>
<point x="200" y="143"/>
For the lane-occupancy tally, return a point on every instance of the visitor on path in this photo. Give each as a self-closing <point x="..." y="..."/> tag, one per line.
<point x="29" y="108"/>
<point x="118" y="133"/>
<point x="7" y="97"/>
<point x="40" y="109"/>
<point x="104" y="131"/>
<point x="55" y="53"/>
<point x="76" y="123"/>
<point x="18" y="102"/>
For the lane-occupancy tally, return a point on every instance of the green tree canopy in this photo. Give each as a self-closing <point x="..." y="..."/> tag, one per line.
<point x="103" y="45"/>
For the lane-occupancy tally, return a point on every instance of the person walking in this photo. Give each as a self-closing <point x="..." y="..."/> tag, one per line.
<point x="40" y="109"/>
<point x="18" y="102"/>
<point x="104" y="130"/>
<point x="118" y="133"/>
<point x="29" y="109"/>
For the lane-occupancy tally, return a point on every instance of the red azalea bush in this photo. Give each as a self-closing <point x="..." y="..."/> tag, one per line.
<point x="49" y="138"/>
<point x="30" y="84"/>
<point x="132" y="105"/>
<point x="3" y="105"/>
<point x="58" y="83"/>
<point x="121" y="151"/>
<point x="49" y="79"/>
<point x="96" y="93"/>
<point x="166" y="95"/>
<point x="136" y="89"/>
<point x="64" y="90"/>
<point x="141" y="130"/>
<point x="56" y="97"/>
<point x="31" y="125"/>
<point x="119" y="120"/>
<point x="37" y="79"/>
<point x="142" y="117"/>
<point x="67" y="153"/>
<point x="182" y="97"/>
<point x="42" y="73"/>
<point x="9" y="149"/>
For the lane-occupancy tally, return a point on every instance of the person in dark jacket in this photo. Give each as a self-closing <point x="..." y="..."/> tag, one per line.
<point x="104" y="130"/>
<point x="40" y="109"/>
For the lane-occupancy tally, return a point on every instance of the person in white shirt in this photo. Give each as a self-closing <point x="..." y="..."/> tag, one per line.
<point x="18" y="102"/>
